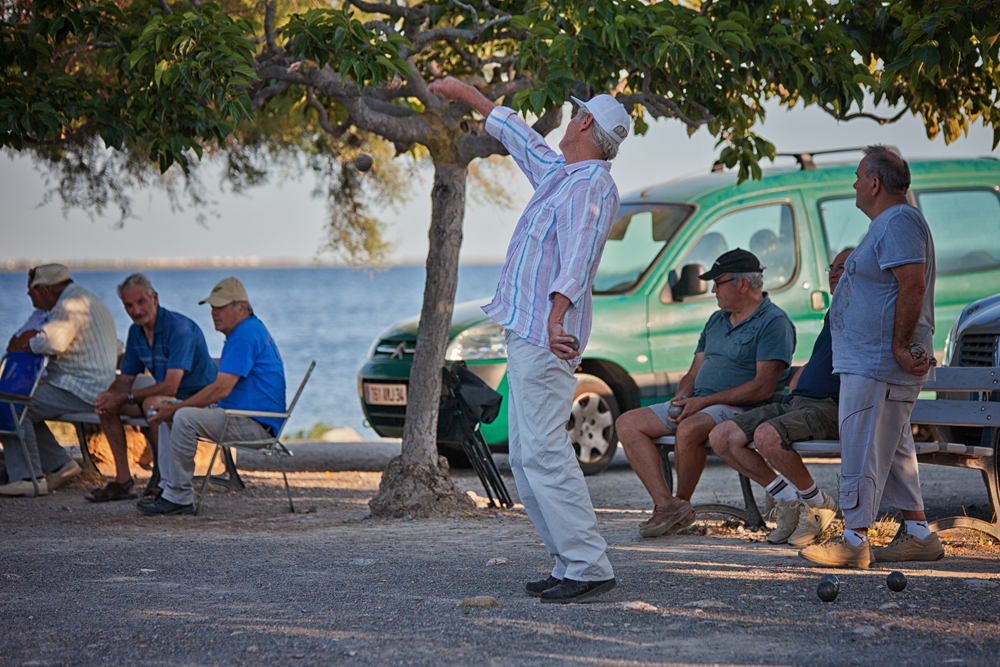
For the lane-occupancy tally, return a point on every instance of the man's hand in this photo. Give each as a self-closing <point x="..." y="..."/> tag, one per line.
<point x="20" y="343"/>
<point x="164" y="413"/>
<point x="692" y="406"/>
<point x="109" y="403"/>
<point x="558" y="339"/>
<point x="914" y="360"/>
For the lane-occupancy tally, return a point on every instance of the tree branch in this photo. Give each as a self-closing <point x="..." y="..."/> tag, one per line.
<point x="380" y="8"/>
<point x="878" y="119"/>
<point x="425" y="38"/>
<point x="165" y="7"/>
<point x="269" y="26"/>
<point x="324" y="119"/>
<point x="81" y="49"/>
<point x="264" y="94"/>
<point x="86" y="127"/>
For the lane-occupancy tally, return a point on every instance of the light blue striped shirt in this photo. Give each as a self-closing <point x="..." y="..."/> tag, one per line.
<point x="558" y="241"/>
<point x="80" y="337"/>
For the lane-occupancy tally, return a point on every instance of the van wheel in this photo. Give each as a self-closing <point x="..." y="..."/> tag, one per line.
<point x="591" y="424"/>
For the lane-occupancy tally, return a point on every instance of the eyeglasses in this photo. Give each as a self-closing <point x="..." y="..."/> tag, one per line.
<point x="836" y="267"/>
<point x="723" y="282"/>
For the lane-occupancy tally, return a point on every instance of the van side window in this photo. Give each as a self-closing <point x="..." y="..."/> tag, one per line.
<point x="844" y="224"/>
<point x="965" y="225"/>
<point x="766" y="231"/>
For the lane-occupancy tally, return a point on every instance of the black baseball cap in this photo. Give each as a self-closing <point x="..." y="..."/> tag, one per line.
<point x="734" y="261"/>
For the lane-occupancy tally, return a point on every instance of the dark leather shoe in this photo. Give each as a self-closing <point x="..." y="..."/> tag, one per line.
<point x="577" y="591"/>
<point x="163" y="507"/>
<point x="536" y="588"/>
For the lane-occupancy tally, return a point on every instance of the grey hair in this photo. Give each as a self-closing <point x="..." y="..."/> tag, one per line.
<point x="245" y="305"/>
<point x="890" y="169"/>
<point x="756" y="278"/>
<point x="602" y="141"/>
<point x="137" y="279"/>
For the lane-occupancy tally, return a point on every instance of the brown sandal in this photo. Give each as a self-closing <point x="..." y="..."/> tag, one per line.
<point x="113" y="491"/>
<point x="152" y="493"/>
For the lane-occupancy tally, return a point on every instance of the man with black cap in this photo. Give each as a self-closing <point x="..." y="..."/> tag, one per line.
<point x="744" y="353"/>
<point x="251" y="377"/>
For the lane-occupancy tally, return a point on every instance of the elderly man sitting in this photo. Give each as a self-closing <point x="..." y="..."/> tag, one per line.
<point x="743" y="355"/>
<point x="168" y="345"/>
<point x="251" y="377"/>
<point x="802" y="510"/>
<point x="79" y="335"/>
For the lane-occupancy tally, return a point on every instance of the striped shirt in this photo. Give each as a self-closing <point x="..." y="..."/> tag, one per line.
<point x="558" y="241"/>
<point x="80" y="338"/>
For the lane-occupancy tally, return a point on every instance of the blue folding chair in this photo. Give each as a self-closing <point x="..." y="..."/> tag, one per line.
<point x="20" y="373"/>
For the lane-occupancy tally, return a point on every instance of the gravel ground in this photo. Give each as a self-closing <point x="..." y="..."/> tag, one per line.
<point x="248" y="583"/>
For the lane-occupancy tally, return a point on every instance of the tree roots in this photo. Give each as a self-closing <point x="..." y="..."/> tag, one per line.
<point x="420" y="491"/>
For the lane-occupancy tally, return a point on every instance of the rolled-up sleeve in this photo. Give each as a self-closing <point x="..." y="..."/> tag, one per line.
<point x="528" y="148"/>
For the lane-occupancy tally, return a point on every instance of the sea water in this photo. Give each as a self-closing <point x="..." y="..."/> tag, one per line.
<point x="328" y="314"/>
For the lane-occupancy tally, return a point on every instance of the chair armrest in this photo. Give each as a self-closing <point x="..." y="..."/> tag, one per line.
<point x="256" y="413"/>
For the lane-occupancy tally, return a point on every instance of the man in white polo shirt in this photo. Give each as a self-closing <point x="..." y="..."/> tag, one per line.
<point x="79" y="336"/>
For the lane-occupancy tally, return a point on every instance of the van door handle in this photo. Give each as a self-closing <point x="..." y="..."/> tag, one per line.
<point x="820" y="300"/>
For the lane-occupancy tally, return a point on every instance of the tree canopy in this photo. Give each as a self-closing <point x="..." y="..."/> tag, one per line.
<point x="171" y="82"/>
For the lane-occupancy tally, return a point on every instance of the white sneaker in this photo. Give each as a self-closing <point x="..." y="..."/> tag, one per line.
<point x="24" y="487"/>
<point x="813" y="520"/>
<point x="57" y="478"/>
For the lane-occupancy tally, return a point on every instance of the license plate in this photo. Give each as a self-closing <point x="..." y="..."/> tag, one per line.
<point x="385" y="394"/>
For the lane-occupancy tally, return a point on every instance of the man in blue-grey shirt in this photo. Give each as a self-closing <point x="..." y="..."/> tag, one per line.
<point x="172" y="349"/>
<point x="251" y="377"/>
<point x="743" y="355"/>
<point x="882" y="323"/>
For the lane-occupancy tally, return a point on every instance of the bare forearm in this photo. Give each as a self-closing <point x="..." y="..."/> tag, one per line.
<point x="909" y="303"/>
<point x="748" y="393"/>
<point x="451" y="88"/>
<point x="560" y="304"/>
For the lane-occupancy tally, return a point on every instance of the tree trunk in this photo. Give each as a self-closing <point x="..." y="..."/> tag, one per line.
<point x="419" y="485"/>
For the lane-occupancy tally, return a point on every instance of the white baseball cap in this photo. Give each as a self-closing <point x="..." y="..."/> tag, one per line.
<point x="609" y="114"/>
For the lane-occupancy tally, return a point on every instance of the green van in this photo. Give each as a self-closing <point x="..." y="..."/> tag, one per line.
<point x="650" y="306"/>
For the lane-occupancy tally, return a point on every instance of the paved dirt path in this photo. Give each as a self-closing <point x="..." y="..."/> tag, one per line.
<point x="247" y="583"/>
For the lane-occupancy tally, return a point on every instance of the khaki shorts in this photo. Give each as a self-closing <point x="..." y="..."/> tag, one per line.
<point x="799" y="419"/>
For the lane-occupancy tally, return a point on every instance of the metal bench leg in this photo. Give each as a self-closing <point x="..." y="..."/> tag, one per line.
<point x="235" y="481"/>
<point x="668" y="470"/>
<point x="208" y="478"/>
<point x="154" y="479"/>
<point x="754" y="519"/>
<point x="24" y="446"/>
<point x="291" y="506"/>
<point x="88" y="461"/>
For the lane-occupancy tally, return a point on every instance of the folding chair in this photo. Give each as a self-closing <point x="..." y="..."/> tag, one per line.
<point x="20" y="373"/>
<point x="267" y="446"/>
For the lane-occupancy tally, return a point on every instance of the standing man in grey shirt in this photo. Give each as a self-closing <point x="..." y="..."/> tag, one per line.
<point x="882" y="324"/>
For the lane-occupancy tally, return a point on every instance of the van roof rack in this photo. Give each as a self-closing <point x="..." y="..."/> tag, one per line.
<point x="805" y="159"/>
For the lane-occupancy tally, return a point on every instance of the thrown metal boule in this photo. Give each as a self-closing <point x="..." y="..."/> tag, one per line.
<point x="363" y="162"/>
<point x="896" y="581"/>
<point x="827" y="591"/>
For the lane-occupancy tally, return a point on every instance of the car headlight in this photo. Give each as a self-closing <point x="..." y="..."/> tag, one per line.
<point x="485" y="341"/>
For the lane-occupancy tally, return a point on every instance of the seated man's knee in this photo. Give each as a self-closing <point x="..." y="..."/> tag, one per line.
<point x="767" y="440"/>
<point x="725" y="438"/>
<point x="626" y="427"/>
<point x="694" y="431"/>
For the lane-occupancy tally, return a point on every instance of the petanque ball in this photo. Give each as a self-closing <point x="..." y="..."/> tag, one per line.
<point x="674" y="411"/>
<point x="573" y="344"/>
<point x="363" y="162"/>
<point x="896" y="581"/>
<point x="827" y="591"/>
<point x="832" y="578"/>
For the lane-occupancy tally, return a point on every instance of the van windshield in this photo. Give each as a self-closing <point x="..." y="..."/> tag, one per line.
<point x="635" y="241"/>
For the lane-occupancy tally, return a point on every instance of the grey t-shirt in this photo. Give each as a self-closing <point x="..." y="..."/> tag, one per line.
<point x="732" y="353"/>
<point x="863" y="312"/>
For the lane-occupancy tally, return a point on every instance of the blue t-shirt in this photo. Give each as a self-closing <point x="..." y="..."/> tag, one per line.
<point x="732" y="353"/>
<point x="817" y="379"/>
<point x="251" y="353"/>
<point x="178" y="343"/>
<point x="863" y="312"/>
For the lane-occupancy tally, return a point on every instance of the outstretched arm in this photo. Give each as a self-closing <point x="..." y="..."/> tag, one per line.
<point x="450" y="88"/>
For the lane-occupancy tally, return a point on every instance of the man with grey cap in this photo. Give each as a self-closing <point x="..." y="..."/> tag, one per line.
<point x="251" y="377"/>
<point x="543" y="302"/>
<point x="743" y="355"/>
<point x="79" y="336"/>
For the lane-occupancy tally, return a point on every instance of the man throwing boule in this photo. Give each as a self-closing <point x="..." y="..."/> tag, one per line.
<point x="543" y="302"/>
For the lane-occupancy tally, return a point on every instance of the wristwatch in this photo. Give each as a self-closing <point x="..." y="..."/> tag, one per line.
<point x="130" y="399"/>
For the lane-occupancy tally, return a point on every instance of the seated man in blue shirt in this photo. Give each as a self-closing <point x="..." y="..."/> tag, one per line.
<point x="251" y="377"/>
<point x="810" y="412"/>
<point x="743" y="355"/>
<point x="172" y="348"/>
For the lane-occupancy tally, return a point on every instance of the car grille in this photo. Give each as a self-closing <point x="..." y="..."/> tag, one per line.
<point x="978" y="350"/>
<point x="389" y="348"/>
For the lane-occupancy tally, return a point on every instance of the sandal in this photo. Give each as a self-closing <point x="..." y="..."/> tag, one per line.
<point x="113" y="491"/>
<point x="151" y="492"/>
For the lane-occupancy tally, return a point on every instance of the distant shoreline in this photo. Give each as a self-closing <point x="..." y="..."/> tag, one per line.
<point x="166" y="263"/>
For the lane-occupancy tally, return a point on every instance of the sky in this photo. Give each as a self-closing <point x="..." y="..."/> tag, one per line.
<point x="282" y="221"/>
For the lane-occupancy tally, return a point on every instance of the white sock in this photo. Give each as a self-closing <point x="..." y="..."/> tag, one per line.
<point x="854" y="538"/>
<point x="782" y="490"/>
<point x="812" y="495"/>
<point x="918" y="529"/>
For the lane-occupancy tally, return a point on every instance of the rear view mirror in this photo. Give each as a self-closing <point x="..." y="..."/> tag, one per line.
<point x="689" y="284"/>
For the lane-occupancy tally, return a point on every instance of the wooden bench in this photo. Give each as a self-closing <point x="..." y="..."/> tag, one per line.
<point x="982" y="385"/>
